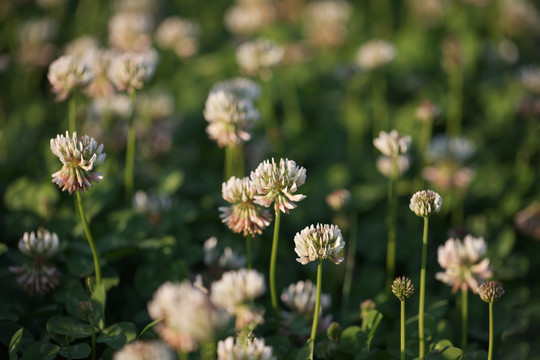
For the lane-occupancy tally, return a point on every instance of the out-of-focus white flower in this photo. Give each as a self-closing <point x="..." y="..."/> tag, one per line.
<point x="36" y="38"/>
<point x="82" y="45"/>
<point x="155" y="104"/>
<point x="229" y="118"/>
<point x="67" y="73"/>
<point x="426" y="112"/>
<point x="301" y="297"/>
<point x="117" y="105"/>
<point x="152" y="205"/>
<point x="318" y="243"/>
<point x="247" y="16"/>
<point x="228" y="260"/>
<point x="257" y="57"/>
<point x="189" y="317"/>
<point x="385" y="165"/>
<point x="325" y="22"/>
<point x="99" y="61"/>
<point x="426" y="202"/>
<point x="130" y="32"/>
<point x="462" y="265"/>
<point x="134" y="6"/>
<point x="236" y="288"/>
<point x="517" y="16"/>
<point x="277" y="183"/>
<point x="527" y="221"/>
<point x="145" y="350"/>
<point x="240" y="86"/>
<point x="129" y="71"/>
<point x="179" y="35"/>
<point x="210" y="250"/>
<point x="40" y="244"/>
<point x="244" y="349"/>
<point x="430" y="12"/>
<point x="392" y="143"/>
<point x="443" y="147"/>
<point x="530" y="78"/>
<point x="79" y="158"/>
<point x="243" y="216"/>
<point x="338" y="198"/>
<point x="374" y="54"/>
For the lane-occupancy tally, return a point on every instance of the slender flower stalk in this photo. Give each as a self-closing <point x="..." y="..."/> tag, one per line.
<point x="89" y="237"/>
<point x="130" y="150"/>
<point x="273" y="257"/>
<point x="317" y="301"/>
<point x="490" y="292"/>
<point x="402" y="288"/>
<point x="464" y="317"/>
<point x="248" y="251"/>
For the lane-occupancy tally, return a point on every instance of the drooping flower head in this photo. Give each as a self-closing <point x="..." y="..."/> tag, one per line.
<point x="189" y="317"/>
<point x="79" y="159"/>
<point x="464" y="263"/>
<point x="242" y="349"/>
<point x="301" y="297"/>
<point x="374" y="54"/>
<point x="490" y="291"/>
<point x="402" y="287"/>
<point x="426" y="202"/>
<point x="243" y="216"/>
<point x="319" y="242"/>
<point x="145" y="350"/>
<point x="68" y="73"/>
<point x="129" y="71"/>
<point x="277" y="183"/>
<point x="392" y="143"/>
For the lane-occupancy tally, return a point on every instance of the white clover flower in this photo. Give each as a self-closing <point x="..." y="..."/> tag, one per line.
<point x="301" y="297"/>
<point x="66" y="74"/>
<point x="443" y="148"/>
<point x="189" y="317"/>
<point x="130" y="31"/>
<point x="244" y="349"/>
<point x="229" y="118"/>
<point x="462" y="265"/>
<point x="319" y="242"/>
<point x="179" y="35"/>
<point x="385" y="165"/>
<point x="117" y="105"/>
<point x="278" y="183"/>
<point x="530" y="78"/>
<point x="257" y="57"/>
<point x="426" y="202"/>
<point x="236" y="288"/>
<point x="243" y="216"/>
<point x="490" y="291"/>
<point x="392" y="143"/>
<point x="151" y="204"/>
<point x="210" y="250"/>
<point x="145" y="350"/>
<point x="374" y="54"/>
<point x="79" y="158"/>
<point x="338" y="198"/>
<point x="129" y="71"/>
<point x="240" y="86"/>
<point x="40" y="244"/>
<point x="99" y="61"/>
<point x="80" y="46"/>
<point x="247" y="16"/>
<point x="325" y="22"/>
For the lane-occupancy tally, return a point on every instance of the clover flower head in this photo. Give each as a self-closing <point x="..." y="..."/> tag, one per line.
<point x="236" y="288"/>
<point x="392" y="143"/>
<point x="257" y="57"/>
<point x="385" y="165"/>
<point x="145" y="350"/>
<point x="319" y="242"/>
<point x="463" y="263"/>
<point x="151" y="204"/>
<point x="374" y="54"/>
<point x="230" y="118"/>
<point x="365" y="307"/>
<point x="36" y="277"/>
<point x="426" y="202"/>
<point x="338" y="198"/>
<point x="178" y="34"/>
<point x="530" y="78"/>
<point x="156" y="104"/>
<point x="242" y="349"/>
<point x="240" y="86"/>
<point x="325" y="22"/>
<point x="79" y="159"/>
<point x="227" y="260"/>
<point x="301" y="297"/>
<point x="189" y="317"/>
<point x="80" y="46"/>
<point x="278" y="183"/>
<point x="490" y="291"/>
<point x="402" y="287"/>
<point x="130" y="31"/>
<point x="129" y="71"/>
<point x="40" y="244"/>
<point x="246" y="17"/>
<point x="68" y="73"/>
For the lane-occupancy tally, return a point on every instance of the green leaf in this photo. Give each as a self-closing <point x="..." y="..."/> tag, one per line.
<point x="15" y="343"/>
<point x="24" y="194"/>
<point x="117" y="335"/>
<point x="446" y="351"/>
<point x="65" y="325"/>
<point x="281" y="345"/>
<point x="98" y="300"/>
<point x="42" y="350"/>
<point x="373" y="319"/>
<point x="3" y="248"/>
<point x="349" y="340"/>
<point x="172" y="182"/>
<point x="76" y="351"/>
<point x="306" y="352"/>
<point x="81" y="265"/>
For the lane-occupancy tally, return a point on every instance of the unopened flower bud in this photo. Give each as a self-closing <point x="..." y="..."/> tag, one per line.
<point x="402" y="287"/>
<point x="334" y="331"/>
<point x="490" y="291"/>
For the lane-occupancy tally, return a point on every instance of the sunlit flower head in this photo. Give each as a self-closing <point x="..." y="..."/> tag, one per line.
<point x="402" y="287"/>
<point x="244" y="349"/>
<point x="392" y="143"/>
<point x="145" y="350"/>
<point x="189" y="317"/>
<point x="464" y="263"/>
<point x="130" y="31"/>
<point x="338" y="198"/>
<point x="243" y="215"/>
<point x="40" y="244"/>
<point x="179" y="35"/>
<point x="130" y="71"/>
<point x="66" y="74"/>
<point x="325" y="22"/>
<point x="245" y="17"/>
<point x="374" y="54"/>
<point x="257" y="57"/>
<point x="301" y="296"/>
<point x="230" y="118"/>
<point x="318" y="243"/>
<point x="79" y="159"/>
<point x="385" y="165"/>
<point x="239" y="86"/>
<point x="490" y="291"/>
<point x="425" y="203"/>
<point x="527" y="221"/>
<point x="277" y="183"/>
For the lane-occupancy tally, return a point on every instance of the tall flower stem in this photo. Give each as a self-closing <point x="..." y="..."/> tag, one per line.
<point x="349" y="267"/>
<point x="90" y="239"/>
<point x="402" y="331"/>
<point x="248" y="250"/>
<point x="490" y="350"/>
<point x="72" y="113"/>
<point x="273" y="257"/>
<point x="464" y="312"/>
<point x="391" y="223"/>
<point x="317" y="301"/>
<point x="421" y="338"/>
<point x="269" y="115"/>
<point x="130" y="150"/>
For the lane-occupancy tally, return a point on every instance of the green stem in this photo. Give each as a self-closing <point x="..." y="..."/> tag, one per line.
<point x="228" y="173"/>
<point x="380" y="110"/>
<point x="421" y="338"/>
<point x="72" y="112"/>
<point x="464" y="321"/>
<point x="402" y="327"/>
<point x="93" y="339"/>
<point x="183" y="355"/>
<point x="391" y="244"/>
<point x="273" y="257"/>
<point x="130" y="151"/>
<point x="90" y="239"/>
<point x="248" y="250"/>
<point x="208" y="350"/>
<point x="269" y="115"/>
<point x="349" y="268"/>
<point x="317" y="302"/>
<point x="455" y="100"/>
<point x="68" y="348"/>
<point x="490" y="350"/>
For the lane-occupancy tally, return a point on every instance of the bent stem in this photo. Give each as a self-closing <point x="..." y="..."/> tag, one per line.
<point x="421" y="338"/>
<point x="490" y="350"/>
<point x="273" y="268"/>
<point x="248" y="250"/>
<point x="402" y="332"/>
<point x="464" y="311"/>
<point x="90" y="239"/>
<point x="317" y="302"/>
<point x="130" y="150"/>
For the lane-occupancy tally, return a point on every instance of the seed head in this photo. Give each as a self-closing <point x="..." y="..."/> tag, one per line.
<point x="319" y="242"/>
<point x="490" y="291"/>
<point x="402" y="287"/>
<point x="426" y="202"/>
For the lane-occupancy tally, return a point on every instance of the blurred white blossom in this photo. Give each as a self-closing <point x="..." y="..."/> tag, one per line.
<point x="258" y="57"/>
<point x="425" y="203"/>
<point x="179" y="35"/>
<point x="68" y="73"/>
<point x="374" y="54"/>
<point x="244" y="349"/>
<point x="145" y="350"/>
